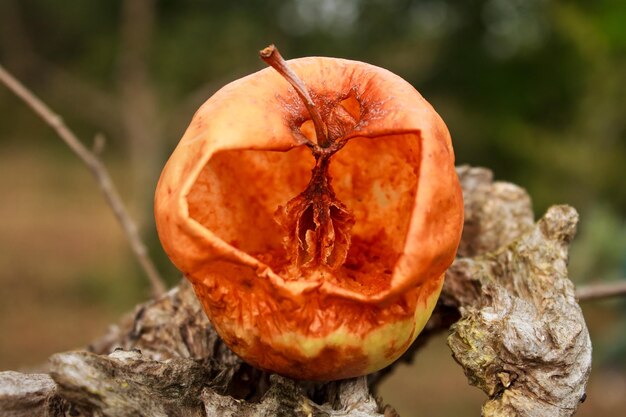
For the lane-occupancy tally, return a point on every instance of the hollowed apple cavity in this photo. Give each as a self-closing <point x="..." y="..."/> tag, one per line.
<point x="238" y="192"/>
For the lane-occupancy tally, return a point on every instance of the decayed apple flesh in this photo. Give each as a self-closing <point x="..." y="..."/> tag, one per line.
<point x="314" y="269"/>
<point x="238" y="193"/>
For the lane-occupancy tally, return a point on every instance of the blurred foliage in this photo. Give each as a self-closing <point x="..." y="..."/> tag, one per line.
<point x="533" y="89"/>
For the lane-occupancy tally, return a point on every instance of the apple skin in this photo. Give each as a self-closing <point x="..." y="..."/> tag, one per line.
<point x="242" y="157"/>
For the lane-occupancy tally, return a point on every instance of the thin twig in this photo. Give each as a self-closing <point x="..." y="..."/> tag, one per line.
<point x="98" y="170"/>
<point x="602" y="290"/>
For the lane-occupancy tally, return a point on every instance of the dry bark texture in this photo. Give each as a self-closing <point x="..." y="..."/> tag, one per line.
<point x="519" y="335"/>
<point x="522" y="337"/>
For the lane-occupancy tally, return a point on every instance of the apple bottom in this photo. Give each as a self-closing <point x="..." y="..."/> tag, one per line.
<point x="318" y="337"/>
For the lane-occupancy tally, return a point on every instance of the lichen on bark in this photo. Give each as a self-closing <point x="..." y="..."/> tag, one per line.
<point x="521" y="337"/>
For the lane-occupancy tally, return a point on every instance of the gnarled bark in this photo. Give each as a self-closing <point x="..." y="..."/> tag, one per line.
<point x="519" y="335"/>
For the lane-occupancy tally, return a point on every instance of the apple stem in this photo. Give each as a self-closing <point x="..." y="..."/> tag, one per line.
<point x="273" y="58"/>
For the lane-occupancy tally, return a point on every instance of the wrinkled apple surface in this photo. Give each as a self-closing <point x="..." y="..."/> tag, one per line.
<point x="335" y="296"/>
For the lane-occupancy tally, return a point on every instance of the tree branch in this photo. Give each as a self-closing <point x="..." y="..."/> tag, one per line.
<point x="98" y="170"/>
<point x="519" y="336"/>
<point x="522" y="337"/>
<point x="601" y="290"/>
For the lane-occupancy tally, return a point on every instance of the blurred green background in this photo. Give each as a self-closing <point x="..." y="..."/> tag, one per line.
<point x="534" y="90"/>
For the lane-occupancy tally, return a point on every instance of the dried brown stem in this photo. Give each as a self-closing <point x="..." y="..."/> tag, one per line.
<point x="273" y="58"/>
<point x="98" y="170"/>
<point x="600" y="291"/>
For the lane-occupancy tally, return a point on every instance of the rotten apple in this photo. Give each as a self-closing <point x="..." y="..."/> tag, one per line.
<point x="314" y="206"/>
